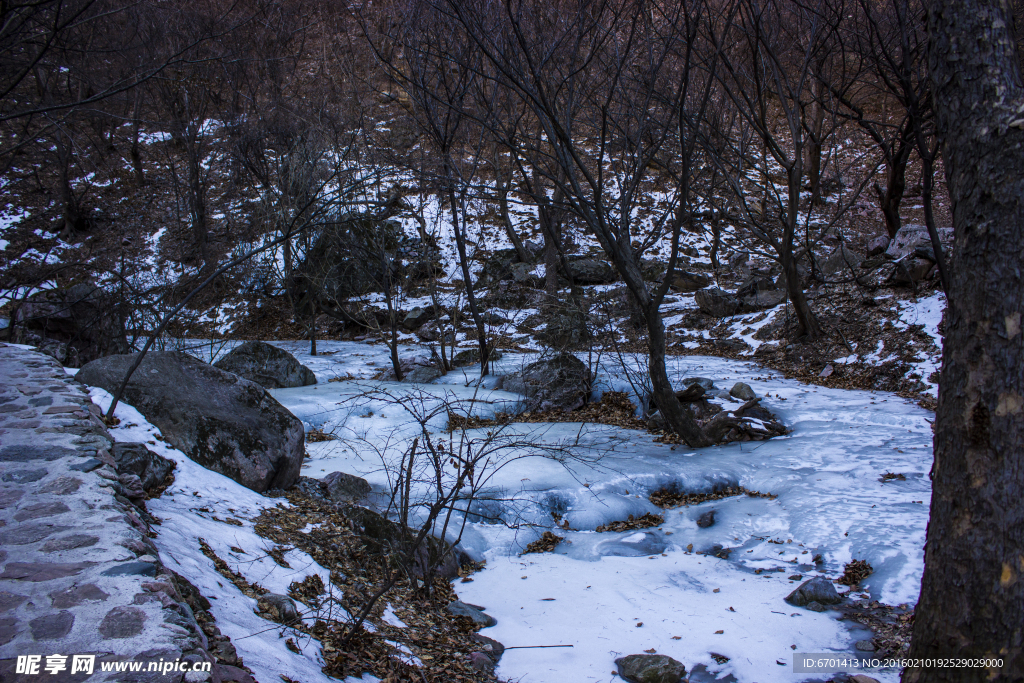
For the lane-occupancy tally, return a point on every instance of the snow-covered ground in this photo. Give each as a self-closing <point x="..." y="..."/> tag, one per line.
<point x="826" y="474"/>
<point x="596" y="589"/>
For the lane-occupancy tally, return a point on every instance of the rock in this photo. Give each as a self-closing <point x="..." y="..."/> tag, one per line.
<point x="83" y="318"/>
<point x="221" y="421"/>
<point x="650" y="669"/>
<point x="481" y="662"/>
<point x="761" y="299"/>
<point x="910" y="236"/>
<point x="742" y="391"/>
<point x="704" y="382"/>
<point x="706" y="520"/>
<point x="135" y="458"/>
<point x="431" y="332"/>
<point x="912" y="270"/>
<point x="686" y="282"/>
<point x="694" y="392"/>
<point x="592" y="271"/>
<point x="839" y="264"/>
<point x="498" y="266"/>
<point x="423" y="374"/>
<point x="878" y="245"/>
<point x="461" y="609"/>
<point x="566" y="329"/>
<point x="527" y="274"/>
<point x="122" y="622"/>
<point x="818" y="589"/>
<point x="266" y="365"/>
<point x="492" y="318"/>
<point x="561" y="382"/>
<point x="717" y="302"/>
<point x="826" y="371"/>
<point x="347" y="488"/>
<point x="816" y="606"/>
<point x="864" y="646"/>
<point x="278" y="608"/>
<point x="417" y="318"/>
<point x="489" y="646"/>
<point x="52" y="626"/>
<point x="861" y="678"/>
<point x="472" y="357"/>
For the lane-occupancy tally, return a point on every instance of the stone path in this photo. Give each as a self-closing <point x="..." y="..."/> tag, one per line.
<point x="78" y="572"/>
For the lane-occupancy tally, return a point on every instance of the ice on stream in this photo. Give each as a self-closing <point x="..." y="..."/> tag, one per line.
<point x="830" y="501"/>
<point x="595" y="589"/>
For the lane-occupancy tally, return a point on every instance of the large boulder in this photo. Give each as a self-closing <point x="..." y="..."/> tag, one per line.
<point x="472" y="357"/>
<point x="592" y="271"/>
<point x="650" y="669"/>
<point x="346" y="488"/>
<point x="218" y="419"/>
<point x="716" y="302"/>
<point x="566" y="328"/>
<point x="266" y="365"/>
<point x="910" y="236"/>
<point x="419" y="369"/>
<point x="686" y="282"/>
<point x="75" y="325"/>
<point x="561" y="382"/>
<point x="418" y="317"/>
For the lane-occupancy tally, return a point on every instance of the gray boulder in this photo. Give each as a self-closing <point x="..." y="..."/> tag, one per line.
<point x="717" y="302"/>
<point x="221" y="421"/>
<point x="742" y="391"/>
<point x="592" y="271"/>
<point x="431" y="332"/>
<point x="461" y="609"/>
<point x="566" y="328"/>
<point x="878" y="245"/>
<point x="650" y="669"/>
<point x="686" y="282"/>
<point x="416" y="369"/>
<point x="417" y="318"/>
<point x="266" y="365"/>
<point x="135" y="458"/>
<point x="818" y="589"/>
<point x="910" y="236"/>
<point x="913" y="270"/>
<point x="561" y="382"/>
<point x="704" y="382"/>
<point x="346" y="488"/>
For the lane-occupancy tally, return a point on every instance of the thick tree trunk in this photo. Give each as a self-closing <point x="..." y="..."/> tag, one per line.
<point x="677" y="417"/>
<point x="972" y="593"/>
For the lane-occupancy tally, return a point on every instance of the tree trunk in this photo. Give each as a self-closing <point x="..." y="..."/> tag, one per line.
<point x="506" y="219"/>
<point x="891" y="198"/>
<point x="677" y="417"/>
<point x="474" y="310"/>
<point x="972" y="592"/>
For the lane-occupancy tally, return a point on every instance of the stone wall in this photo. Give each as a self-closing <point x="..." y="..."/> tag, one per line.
<point x="79" y="574"/>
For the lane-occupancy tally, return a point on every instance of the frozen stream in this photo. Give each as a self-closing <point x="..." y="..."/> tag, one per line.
<point x="596" y="589"/>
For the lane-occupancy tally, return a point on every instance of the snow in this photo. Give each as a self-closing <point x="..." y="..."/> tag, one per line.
<point x="927" y="313"/>
<point x="826" y="474"/>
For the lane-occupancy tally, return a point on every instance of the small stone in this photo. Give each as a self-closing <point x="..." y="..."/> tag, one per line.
<point x="76" y="595"/>
<point x="827" y="372"/>
<point x="23" y="534"/>
<point x="461" y="609"/>
<point x="279" y="608"/>
<point x="864" y="646"/>
<point x="9" y="497"/>
<point x="818" y="589"/>
<point x="815" y="606"/>
<point x="87" y="465"/>
<point x="9" y="601"/>
<point x="27" y="453"/>
<point x="24" y="476"/>
<point x="52" y="626"/>
<point x="8" y="626"/>
<point x="481" y="662"/>
<point x="742" y="391"/>
<point x="706" y="520"/>
<point x="38" y="510"/>
<point x="69" y="543"/>
<point x="122" y="622"/>
<point x="131" y="568"/>
<point x="650" y="669"/>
